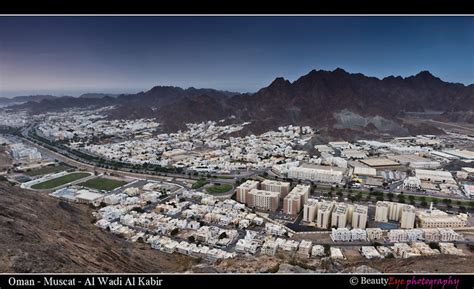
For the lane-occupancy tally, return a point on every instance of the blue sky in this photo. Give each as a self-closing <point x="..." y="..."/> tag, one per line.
<point x="75" y="55"/>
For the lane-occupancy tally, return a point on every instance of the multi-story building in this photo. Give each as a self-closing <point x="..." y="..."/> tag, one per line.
<point x="381" y="212"/>
<point x="304" y="249"/>
<point x="291" y="204"/>
<point x="414" y="235"/>
<point x="310" y="209"/>
<point x="359" y="217"/>
<point x="340" y="215"/>
<point x="264" y="200"/>
<point x="322" y="174"/>
<point x="407" y="219"/>
<point x="397" y="236"/>
<point x="431" y="235"/>
<point x="374" y="234"/>
<point x="391" y="211"/>
<point x="295" y="199"/>
<point x="448" y="235"/>
<point x="341" y="234"/>
<point x="358" y="235"/>
<point x="276" y="186"/>
<point x="324" y="215"/>
<point x="412" y="183"/>
<point x="440" y="219"/>
<point x="244" y="189"/>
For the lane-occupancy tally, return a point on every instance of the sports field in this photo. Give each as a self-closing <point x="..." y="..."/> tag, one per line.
<point x="103" y="184"/>
<point x="56" y="182"/>
<point x="219" y="189"/>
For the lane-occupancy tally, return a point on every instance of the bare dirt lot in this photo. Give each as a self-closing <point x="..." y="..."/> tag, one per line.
<point x="42" y="234"/>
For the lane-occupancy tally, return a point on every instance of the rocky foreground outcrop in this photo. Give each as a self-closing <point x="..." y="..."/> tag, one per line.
<point x="42" y="234"/>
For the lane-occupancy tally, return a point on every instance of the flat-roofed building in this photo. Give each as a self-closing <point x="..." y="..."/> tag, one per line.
<point x="374" y="234"/>
<point x="397" y="235"/>
<point x="439" y="219"/>
<point x="88" y="197"/>
<point x="341" y="234"/>
<point x="435" y="176"/>
<point x="293" y="202"/>
<point x="276" y="186"/>
<point x="358" y="235"/>
<point x="407" y="219"/>
<point x="244" y="189"/>
<point x="364" y="171"/>
<point x="448" y="235"/>
<point x="264" y="200"/>
<point x="324" y="174"/>
<point x="412" y="183"/>
<point x="310" y="209"/>
<point x="324" y="215"/>
<point x="341" y="215"/>
<point x="379" y="163"/>
<point x="304" y="249"/>
<point x="340" y="145"/>
<point x="431" y="235"/>
<point x="359" y="217"/>
<point x="381" y="212"/>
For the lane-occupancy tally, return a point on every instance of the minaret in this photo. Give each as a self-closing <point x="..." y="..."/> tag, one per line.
<point x="431" y="207"/>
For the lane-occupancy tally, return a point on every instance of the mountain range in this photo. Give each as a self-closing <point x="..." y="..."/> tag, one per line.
<point x="336" y="102"/>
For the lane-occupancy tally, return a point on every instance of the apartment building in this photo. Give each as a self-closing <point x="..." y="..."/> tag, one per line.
<point x="310" y="209"/>
<point x="407" y="219"/>
<point x="340" y="215"/>
<point x="263" y="200"/>
<point x="359" y="217"/>
<point x="276" y="186"/>
<point x="324" y="215"/>
<point x="381" y="212"/>
<point x="244" y="189"/>
<point x="294" y="201"/>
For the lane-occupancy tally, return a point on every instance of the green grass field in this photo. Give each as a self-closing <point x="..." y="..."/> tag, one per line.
<point x="53" y="183"/>
<point x="103" y="184"/>
<point x="219" y="189"/>
<point x="200" y="183"/>
<point x="47" y="170"/>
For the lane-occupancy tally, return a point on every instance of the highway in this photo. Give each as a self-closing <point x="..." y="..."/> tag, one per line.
<point x="73" y="160"/>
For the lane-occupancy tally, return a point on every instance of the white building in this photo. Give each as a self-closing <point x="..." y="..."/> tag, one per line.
<point x="310" y="209"/>
<point x="359" y="217"/>
<point x="412" y="183"/>
<point x="317" y="174"/>
<point x="341" y="234"/>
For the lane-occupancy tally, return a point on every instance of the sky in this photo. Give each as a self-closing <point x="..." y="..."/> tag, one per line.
<point x="73" y="55"/>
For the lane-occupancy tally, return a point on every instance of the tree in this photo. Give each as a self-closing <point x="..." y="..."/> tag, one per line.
<point x="401" y="198"/>
<point x="390" y="196"/>
<point x="434" y="245"/>
<point x="327" y="249"/>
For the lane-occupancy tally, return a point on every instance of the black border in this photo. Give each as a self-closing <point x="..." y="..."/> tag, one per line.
<point x="236" y="7"/>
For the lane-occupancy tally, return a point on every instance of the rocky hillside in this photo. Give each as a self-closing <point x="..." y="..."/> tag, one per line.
<point x="42" y="234"/>
<point x="336" y="101"/>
